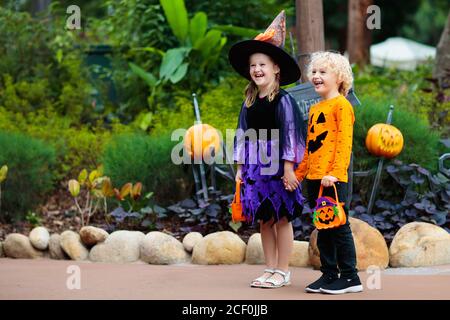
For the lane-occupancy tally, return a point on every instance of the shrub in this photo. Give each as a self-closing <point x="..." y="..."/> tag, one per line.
<point x="53" y="74"/>
<point x="415" y="91"/>
<point x="23" y="38"/>
<point x="421" y="145"/>
<point x="30" y="162"/>
<point x="137" y="157"/>
<point x="219" y="107"/>
<point x="168" y="119"/>
<point x="76" y="148"/>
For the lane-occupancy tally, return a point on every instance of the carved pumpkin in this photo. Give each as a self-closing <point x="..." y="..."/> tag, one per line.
<point x="199" y="139"/>
<point x="384" y="140"/>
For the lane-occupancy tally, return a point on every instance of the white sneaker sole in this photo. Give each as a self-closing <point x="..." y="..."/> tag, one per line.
<point x="353" y="289"/>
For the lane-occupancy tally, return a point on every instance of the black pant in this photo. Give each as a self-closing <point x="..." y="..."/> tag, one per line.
<point x="336" y="245"/>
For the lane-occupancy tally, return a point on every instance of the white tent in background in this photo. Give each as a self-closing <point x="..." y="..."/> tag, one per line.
<point x="400" y="53"/>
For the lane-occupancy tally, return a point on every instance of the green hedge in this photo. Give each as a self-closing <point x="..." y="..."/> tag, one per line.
<point x="413" y="91"/>
<point x="39" y="67"/>
<point x="219" y="107"/>
<point x="421" y="144"/>
<point x="76" y="147"/>
<point x="138" y="157"/>
<point x="30" y="163"/>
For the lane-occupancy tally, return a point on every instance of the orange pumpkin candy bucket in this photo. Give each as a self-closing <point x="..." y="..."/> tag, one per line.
<point x="237" y="214"/>
<point x="328" y="213"/>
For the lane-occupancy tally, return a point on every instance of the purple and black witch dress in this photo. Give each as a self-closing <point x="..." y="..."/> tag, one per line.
<point x="277" y="135"/>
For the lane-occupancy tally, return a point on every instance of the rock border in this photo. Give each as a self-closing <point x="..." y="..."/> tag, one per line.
<point x="223" y="247"/>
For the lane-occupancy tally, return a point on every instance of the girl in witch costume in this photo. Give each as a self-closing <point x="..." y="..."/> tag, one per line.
<point x="269" y="145"/>
<point x="325" y="163"/>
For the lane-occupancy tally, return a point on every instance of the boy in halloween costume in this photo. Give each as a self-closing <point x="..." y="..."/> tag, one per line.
<point x="268" y="146"/>
<point x="325" y="162"/>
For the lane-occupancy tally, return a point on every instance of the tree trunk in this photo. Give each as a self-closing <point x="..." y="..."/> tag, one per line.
<point x="310" y="31"/>
<point x="442" y="66"/>
<point x="39" y="5"/>
<point x="358" y="35"/>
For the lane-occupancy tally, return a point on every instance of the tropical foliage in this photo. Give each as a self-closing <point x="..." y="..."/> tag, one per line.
<point x="112" y="93"/>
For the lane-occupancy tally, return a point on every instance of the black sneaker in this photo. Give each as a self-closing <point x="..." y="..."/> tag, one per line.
<point x="343" y="285"/>
<point x="316" y="285"/>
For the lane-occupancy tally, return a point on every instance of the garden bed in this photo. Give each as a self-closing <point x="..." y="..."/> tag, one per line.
<point x="59" y="214"/>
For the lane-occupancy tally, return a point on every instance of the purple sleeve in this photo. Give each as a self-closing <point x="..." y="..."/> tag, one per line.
<point x="239" y="139"/>
<point x="291" y="130"/>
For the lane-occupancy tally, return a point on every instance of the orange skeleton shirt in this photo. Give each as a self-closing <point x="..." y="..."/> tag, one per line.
<point x="329" y="140"/>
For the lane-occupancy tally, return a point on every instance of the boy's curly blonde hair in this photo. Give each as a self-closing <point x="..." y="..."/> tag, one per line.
<point x="337" y="64"/>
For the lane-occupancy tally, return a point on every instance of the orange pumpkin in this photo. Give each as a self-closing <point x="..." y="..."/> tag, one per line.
<point x="384" y="140"/>
<point x="199" y="139"/>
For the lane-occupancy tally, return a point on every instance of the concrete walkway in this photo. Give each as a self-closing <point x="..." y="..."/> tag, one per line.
<point x="47" y="279"/>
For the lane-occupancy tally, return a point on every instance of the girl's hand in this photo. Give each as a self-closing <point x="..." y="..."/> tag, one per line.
<point x="290" y="180"/>
<point x="328" y="181"/>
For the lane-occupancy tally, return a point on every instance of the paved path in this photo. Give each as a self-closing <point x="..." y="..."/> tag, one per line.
<point x="46" y="279"/>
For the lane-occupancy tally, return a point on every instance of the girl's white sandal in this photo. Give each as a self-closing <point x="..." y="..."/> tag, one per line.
<point x="258" y="282"/>
<point x="275" y="283"/>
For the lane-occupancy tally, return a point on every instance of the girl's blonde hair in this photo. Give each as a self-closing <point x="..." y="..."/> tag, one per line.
<point x="252" y="89"/>
<point x="337" y="64"/>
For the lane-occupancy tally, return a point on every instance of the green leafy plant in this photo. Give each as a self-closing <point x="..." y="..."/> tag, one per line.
<point x="33" y="219"/>
<point x="199" y="48"/>
<point x="97" y="189"/>
<point x="30" y="166"/>
<point x="421" y="145"/>
<point x="137" y="157"/>
<point x="54" y="75"/>
<point x="414" y="91"/>
<point x="130" y="194"/>
<point x="3" y="174"/>
<point x="438" y="99"/>
<point x="76" y="147"/>
<point x="134" y="211"/>
<point x="219" y="107"/>
<point x="192" y="34"/>
<point x="414" y="194"/>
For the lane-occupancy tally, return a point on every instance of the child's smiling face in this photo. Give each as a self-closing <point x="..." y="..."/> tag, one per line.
<point x="263" y="69"/>
<point x="324" y="80"/>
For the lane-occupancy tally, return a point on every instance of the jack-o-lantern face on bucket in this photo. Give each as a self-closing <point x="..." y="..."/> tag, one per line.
<point x="316" y="132"/>
<point x="384" y="140"/>
<point x="327" y="214"/>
